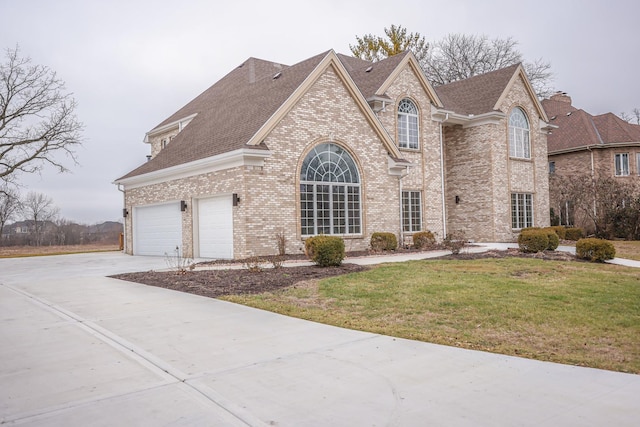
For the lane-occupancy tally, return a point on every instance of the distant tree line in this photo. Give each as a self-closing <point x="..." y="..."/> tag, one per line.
<point x="34" y="220"/>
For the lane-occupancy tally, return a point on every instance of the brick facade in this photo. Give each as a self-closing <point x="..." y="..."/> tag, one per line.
<point x="480" y="175"/>
<point x="477" y="169"/>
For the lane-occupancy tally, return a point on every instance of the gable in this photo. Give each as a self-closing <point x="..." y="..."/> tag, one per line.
<point x="519" y="77"/>
<point x="240" y="110"/>
<point x="229" y="113"/>
<point x="409" y="62"/>
<point x="332" y="62"/>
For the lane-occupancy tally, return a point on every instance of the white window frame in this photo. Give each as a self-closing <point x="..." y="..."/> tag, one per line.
<point x="521" y="210"/>
<point x="330" y="196"/>
<point x="411" y="211"/>
<point x="621" y="164"/>
<point x="519" y="134"/>
<point x="408" y="125"/>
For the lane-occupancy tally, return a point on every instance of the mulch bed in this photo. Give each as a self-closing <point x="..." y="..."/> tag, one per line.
<point x="216" y="283"/>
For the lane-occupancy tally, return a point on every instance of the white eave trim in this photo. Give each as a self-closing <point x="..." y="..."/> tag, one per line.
<point x="229" y="160"/>
<point x="595" y="146"/>
<point x="180" y="124"/>
<point x="398" y="168"/>
<point x="467" y="120"/>
<point x="547" y="126"/>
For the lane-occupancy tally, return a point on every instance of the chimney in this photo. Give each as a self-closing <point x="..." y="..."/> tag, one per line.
<point x="562" y="97"/>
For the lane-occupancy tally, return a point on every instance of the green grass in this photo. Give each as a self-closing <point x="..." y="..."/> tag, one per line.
<point x="568" y="312"/>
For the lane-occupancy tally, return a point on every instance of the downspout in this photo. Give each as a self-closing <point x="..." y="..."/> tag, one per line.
<point x="400" y="208"/>
<point x="124" y="221"/>
<point x="593" y="177"/>
<point x="444" y="207"/>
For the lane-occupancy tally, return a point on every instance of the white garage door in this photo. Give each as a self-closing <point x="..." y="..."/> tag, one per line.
<point x="215" y="227"/>
<point x="157" y="229"/>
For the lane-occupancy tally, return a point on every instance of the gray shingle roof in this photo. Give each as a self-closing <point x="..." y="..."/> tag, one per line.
<point x="230" y="112"/>
<point x="478" y="94"/>
<point x="234" y="109"/>
<point x="378" y="72"/>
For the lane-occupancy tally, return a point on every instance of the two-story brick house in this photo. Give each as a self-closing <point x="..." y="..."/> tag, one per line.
<point x="337" y="145"/>
<point x="601" y="146"/>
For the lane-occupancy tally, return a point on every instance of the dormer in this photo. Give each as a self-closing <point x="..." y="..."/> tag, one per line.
<point x="162" y="136"/>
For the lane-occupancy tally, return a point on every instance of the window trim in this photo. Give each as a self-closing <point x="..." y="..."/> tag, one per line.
<point x="335" y="202"/>
<point x="620" y="171"/>
<point x="519" y="149"/>
<point x="405" y="117"/>
<point x="638" y="162"/>
<point x="522" y="202"/>
<point x="409" y="223"/>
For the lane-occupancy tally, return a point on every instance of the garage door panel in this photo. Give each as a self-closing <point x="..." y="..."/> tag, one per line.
<point x="215" y="227"/>
<point x="157" y="229"/>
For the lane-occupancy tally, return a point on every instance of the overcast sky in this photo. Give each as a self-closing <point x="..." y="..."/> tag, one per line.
<point x="130" y="64"/>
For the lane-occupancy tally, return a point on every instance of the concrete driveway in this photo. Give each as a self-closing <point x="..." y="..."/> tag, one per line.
<point x="79" y="349"/>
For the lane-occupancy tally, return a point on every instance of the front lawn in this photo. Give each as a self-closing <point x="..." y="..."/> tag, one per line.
<point x="629" y="249"/>
<point x="568" y="312"/>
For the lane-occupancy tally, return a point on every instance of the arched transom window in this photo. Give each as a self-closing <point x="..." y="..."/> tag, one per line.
<point x="519" y="144"/>
<point x="407" y="124"/>
<point x="329" y="192"/>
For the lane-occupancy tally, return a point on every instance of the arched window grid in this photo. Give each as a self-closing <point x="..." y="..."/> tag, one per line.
<point x="519" y="134"/>
<point x="330" y="201"/>
<point x="408" y="128"/>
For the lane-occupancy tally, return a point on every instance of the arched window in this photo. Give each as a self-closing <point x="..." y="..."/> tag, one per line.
<point x="519" y="144"/>
<point x="407" y="124"/>
<point x="329" y="192"/>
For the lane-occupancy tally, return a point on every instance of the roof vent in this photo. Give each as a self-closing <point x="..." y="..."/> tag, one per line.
<point x="553" y="118"/>
<point x="277" y="75"/>
<point x="569" y="113"/>
<point x="368" y="70"/>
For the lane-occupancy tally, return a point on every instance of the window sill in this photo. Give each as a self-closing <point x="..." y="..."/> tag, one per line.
<point x="342" y="236"/>
<point x="522" y="159"/>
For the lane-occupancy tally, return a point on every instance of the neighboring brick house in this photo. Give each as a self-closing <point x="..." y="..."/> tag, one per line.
<point x="602" y="146"/>
<point x="338" y="145"/>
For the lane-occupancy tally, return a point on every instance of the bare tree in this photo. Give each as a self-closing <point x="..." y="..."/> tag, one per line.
<point x="634" y="117"/>
<point x="460" y="56"/>
<point x="37" y="118"/>
<point x="40" y="209"/>
<point x="374" y="48"/>
<point x="9" y="205"/>
<point x="609" y="206"/>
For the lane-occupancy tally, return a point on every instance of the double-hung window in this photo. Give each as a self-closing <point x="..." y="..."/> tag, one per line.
<point x="411" y="211"/>
<point x="519" y="141"/>
<point x="330" y="192"/>
<point x="622" y="164"/>
<point x="521" y="210"/>
<point x="408" y="125"/>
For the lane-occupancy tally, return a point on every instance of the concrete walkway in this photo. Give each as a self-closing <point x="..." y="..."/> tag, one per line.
<point x="79" y="349"/>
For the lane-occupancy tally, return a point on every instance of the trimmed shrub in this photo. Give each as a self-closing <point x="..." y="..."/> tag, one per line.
<point x="424" y="240"/>
<point x="560" y="230"/>
<point x="554" y="239"/>
<point x="533" y="240"/>
<point x="574" y="233"/>
<point x="596" y="250"/>
<point x="384" y="242"/>
<point x="325" y="251"/>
